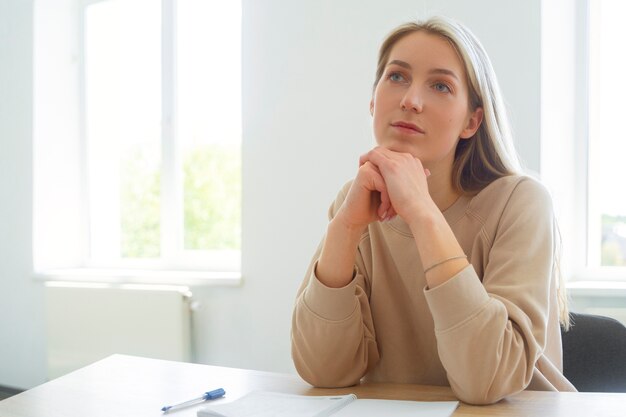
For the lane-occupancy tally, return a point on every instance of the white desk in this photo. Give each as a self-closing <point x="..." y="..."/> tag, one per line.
<point x="136" y="387"/>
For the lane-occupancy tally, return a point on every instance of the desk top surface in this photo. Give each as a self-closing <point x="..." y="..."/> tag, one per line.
<point x="123" y="385"/>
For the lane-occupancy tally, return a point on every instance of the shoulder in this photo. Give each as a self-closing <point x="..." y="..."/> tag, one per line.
<point x="514" y="209"/>
<point x="520" y="188"/>
<point x="513" y="194"/>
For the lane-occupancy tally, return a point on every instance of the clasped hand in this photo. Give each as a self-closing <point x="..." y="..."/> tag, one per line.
<point x="387" y="184"/>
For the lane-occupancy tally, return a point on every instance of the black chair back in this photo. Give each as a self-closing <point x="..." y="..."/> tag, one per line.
<point x="594" y="353"/>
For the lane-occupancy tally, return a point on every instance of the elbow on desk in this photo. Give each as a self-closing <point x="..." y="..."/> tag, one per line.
<point x="477" y="400"/>
<point x="328" y="371"/>
<point x="328" y="378"/>
<point x="477" y="395"/>
<point x="325" y="381"/>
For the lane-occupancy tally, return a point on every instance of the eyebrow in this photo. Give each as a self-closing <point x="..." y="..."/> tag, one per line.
<point x="406" y="65"/>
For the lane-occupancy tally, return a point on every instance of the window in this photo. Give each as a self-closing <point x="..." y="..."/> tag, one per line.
<point x="607" y="138"/>
<point x="583" y="144"/>
<point x="152" y="173"/>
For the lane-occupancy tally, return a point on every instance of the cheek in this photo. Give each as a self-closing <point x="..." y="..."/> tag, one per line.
<point x="455" y="118"/>
<point x="379" y="111"/>
<point x="377" y="128"/>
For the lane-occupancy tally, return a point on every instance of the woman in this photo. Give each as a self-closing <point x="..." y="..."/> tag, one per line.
<point x="438" y="264"/>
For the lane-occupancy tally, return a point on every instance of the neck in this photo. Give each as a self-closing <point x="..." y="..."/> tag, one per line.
<point x="441" y="190"/>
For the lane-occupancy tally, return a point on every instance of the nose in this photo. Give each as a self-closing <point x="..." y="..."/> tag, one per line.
<point x="412" y="101"/>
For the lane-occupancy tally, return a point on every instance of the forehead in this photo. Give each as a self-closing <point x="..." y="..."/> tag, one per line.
<point x="423" y="50"/>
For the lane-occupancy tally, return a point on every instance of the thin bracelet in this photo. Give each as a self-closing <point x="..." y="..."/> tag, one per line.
<point x="443" y="262"/>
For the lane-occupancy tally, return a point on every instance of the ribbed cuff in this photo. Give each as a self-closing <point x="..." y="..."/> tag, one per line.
<point x="457" y="299"/>
<point x="330" y="303"/>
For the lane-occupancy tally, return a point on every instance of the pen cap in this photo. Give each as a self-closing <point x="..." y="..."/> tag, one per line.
<point x="216" y="393"/>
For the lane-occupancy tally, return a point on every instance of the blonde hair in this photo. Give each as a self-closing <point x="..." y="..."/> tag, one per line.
<point x="490" y="153"/>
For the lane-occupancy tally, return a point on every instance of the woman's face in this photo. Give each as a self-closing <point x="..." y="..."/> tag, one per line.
<point x="420" y="105"/>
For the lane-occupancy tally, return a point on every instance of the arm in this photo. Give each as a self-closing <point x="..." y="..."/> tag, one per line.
<point x="490" y="334"/>
<point x="333" y="338"/>
<point x="333" y="341"/>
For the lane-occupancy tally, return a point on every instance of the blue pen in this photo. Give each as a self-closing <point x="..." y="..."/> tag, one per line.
<point x="210" y="395"/>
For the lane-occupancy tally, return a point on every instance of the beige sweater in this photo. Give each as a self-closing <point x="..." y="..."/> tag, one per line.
<point x="489" y="332"/>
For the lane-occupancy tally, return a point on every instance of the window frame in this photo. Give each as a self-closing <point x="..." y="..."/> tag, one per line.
<point x="173" y="255"/>
<point x="565" y="166"/>
<point x="175" y="265"/>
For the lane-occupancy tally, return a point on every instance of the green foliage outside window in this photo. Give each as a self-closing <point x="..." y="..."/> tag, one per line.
<point x="212" y="198"/>
<point x="140" y="206"/>
<point x="613" y="240"/>
<point x="211" y="201"/>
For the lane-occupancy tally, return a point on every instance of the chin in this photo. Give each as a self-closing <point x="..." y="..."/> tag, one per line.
<point x="402" y="147"/>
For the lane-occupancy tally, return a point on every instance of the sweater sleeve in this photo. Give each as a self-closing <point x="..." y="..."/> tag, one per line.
<point x="491" y="334"/>
<point x="333" y="342"/>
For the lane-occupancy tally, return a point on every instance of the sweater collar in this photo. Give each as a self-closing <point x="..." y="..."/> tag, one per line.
<point x="452" y="215"/>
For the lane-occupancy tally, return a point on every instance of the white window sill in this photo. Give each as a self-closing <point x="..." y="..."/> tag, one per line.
<point x="135" y="276"/>
<point x="597" y="288"/>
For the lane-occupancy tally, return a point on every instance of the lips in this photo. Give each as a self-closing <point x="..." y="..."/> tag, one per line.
<point x="407" y="126"/>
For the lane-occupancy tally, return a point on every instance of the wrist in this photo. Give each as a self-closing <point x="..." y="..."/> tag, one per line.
<point x="335" y="267"/>
<point x="340" y="225"/>
<point x="426" y="218"/>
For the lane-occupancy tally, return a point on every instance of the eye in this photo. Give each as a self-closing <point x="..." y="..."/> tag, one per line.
<point x="442" y="87"/>
<point x="396" y="77"/>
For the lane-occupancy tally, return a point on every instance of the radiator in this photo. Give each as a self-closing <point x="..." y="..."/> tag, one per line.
<point x="88" y="322"/>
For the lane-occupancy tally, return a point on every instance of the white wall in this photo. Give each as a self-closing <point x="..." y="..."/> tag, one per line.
<point x="308" y="69"/>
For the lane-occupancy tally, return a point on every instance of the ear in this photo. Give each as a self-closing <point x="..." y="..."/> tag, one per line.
<point x="475" y="119"/>
<point x="372" y="107"/>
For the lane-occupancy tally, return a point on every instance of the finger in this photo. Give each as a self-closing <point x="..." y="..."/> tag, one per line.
<point x="391" y="213"/>
<point x="377" y="184"/>
<point x="376" y="155"/>
<point x="363" y="159"/>
<point x="385" y="205"/>
<point x="366" y="157"/>
<point x="373" y="172"/>
<point x="374" y="182"/>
